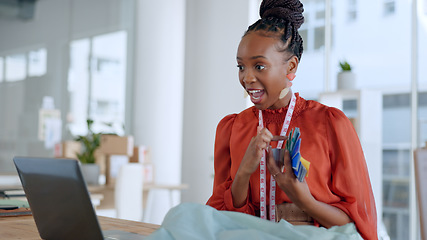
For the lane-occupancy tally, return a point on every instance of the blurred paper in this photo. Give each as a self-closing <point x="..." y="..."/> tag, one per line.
<point x="52" y="132"/>
<point x="45" y="114"/>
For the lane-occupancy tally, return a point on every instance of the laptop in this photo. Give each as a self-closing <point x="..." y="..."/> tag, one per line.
<point x="60" y="202"/>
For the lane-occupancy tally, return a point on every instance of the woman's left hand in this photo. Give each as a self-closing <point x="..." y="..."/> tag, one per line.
<point x="298" y="192"/>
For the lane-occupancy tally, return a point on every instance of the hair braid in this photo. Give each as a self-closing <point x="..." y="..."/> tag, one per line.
<point x="282" y="18"/>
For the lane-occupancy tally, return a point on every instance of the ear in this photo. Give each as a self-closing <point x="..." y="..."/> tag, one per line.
<point x="292" y="65"/>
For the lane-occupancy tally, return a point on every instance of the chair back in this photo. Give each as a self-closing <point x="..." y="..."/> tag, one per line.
<point x="420" y="158"/>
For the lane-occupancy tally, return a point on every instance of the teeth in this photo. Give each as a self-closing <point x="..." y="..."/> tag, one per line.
<point x="254" y="91"/>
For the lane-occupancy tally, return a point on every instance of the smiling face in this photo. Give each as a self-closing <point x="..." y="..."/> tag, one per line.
<point x="263" y="70"/>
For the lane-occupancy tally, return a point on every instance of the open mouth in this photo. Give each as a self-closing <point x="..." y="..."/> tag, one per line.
<point x="255" y="94"/>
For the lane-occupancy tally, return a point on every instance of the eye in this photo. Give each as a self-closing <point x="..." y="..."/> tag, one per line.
<point x="259" y="67"/>
<point x="240" y="67"/>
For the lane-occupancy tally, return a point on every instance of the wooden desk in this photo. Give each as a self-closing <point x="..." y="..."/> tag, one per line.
<point x="24" y="227"/>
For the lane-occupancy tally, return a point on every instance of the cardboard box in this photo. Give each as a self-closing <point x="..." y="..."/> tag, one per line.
<point x="101" y="160"/>
<point x="141" y="154"/>
<point x="67" y="149"/>
<point x="116" y="145"/>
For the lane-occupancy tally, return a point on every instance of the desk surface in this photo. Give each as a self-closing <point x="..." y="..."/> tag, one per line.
<point x="24" y="227"/>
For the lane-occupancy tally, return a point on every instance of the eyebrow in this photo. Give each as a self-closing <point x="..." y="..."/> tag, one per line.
<point x="254" y="57"/>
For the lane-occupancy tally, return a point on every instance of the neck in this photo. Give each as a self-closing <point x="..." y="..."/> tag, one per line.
<point x="282" y="102"/>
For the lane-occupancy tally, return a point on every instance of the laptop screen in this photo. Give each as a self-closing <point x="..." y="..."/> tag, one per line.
<point x="58" y="198"/>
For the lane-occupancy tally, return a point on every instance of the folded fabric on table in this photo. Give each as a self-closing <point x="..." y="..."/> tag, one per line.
<point x="18" y="203"/>
<point x="197" y="221"/>
<point x="22" y="208"/>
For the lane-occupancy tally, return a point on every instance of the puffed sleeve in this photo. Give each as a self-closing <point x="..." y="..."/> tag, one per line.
<point x="221" y="198"/>
<point x="350" y="177"/>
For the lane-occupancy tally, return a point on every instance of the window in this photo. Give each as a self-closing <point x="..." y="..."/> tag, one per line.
<point x="319" y="10"/>
<point x="107" y="97"/>
<point x="303" y="34"/>
<point x="16" y="67"/>
<point x="78" y="85"/>
<point x="396" y="192"/>
<point x="306" y="17"/>
<point x="313" y="29"/>
<point x="319" y="38"/>
<point x="350" y="108"/>
<point x="422" y="118"/>
<point x="19" y="66"/>
<point x="313" y="35"/>
<point x="320" y="15"/>
<point x="37" y="62"/>
<point x="98" y="93"/>
<point x="352" y="10"/>
<point x="1" y="69"/>
<point x="396" y="163"/>
<point x="389" y="7"/>
<point x="28" y="74"/>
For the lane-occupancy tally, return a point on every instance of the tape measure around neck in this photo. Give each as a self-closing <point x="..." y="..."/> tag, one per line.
<point x="263" y="200"/>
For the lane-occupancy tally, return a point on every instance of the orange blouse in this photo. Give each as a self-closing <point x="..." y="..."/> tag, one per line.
<point x="338" y="174"/>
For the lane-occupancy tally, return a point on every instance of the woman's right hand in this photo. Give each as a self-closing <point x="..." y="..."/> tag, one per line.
<point x="250" y="163"/>
<point x="253" y="154"/>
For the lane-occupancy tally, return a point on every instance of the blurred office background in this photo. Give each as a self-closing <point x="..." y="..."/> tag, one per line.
<point x="165" y="73"/>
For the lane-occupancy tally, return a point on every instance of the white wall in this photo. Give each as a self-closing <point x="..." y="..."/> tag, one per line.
<point x="212" y="89"/>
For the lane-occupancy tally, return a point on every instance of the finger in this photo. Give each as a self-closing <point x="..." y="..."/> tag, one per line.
<point x="258" y="130"/>
<point x="264" y="145"/>
<point x="264" y="138"/>
<point x="287" y="161"/>
<point x="278" y="138"/>
<point x="267" y="133"/>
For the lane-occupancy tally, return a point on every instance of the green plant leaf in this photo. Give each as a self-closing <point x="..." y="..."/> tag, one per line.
<point x="90" y="143"/>
<point x="345" y="66"/>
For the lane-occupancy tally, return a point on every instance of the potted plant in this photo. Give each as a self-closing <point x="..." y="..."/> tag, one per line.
<point x="346" y="79"/>
<point x="90" y="143"/>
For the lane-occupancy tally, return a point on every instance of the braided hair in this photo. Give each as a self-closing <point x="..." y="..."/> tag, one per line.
<point x="281" y="19"/>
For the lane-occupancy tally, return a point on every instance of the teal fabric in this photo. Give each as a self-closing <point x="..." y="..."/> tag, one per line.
<point x="18" y="203"/>
<point x="195" y="221"/>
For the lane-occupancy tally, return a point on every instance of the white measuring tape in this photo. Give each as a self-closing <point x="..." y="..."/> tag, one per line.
<point x="263" y="207"/>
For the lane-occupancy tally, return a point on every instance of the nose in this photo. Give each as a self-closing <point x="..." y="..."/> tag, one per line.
<point x="249" y="77"/>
